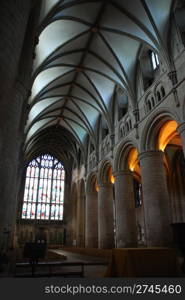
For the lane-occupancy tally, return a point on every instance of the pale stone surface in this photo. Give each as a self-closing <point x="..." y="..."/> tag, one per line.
<point x="156" y="199"/>
<point x="91" y="240"/>
<point x="105" y="217"/>
<point x="125" y="210"/>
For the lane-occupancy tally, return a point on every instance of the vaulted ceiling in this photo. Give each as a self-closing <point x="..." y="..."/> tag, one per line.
<point x="85" y="50"/>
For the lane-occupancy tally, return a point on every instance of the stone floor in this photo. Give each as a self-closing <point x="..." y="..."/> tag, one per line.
<point x="94" y="267"/>
<point x="90" y="271"/>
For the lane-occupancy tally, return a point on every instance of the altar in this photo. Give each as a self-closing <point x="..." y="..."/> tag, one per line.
<point x="142" y="262"/>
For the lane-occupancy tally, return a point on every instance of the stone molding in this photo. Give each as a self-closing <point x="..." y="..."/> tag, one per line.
<point x="150" y="153"/>
<point x="121" y="173"/>
<point x="181" y="128"/>
<point x="105" y="185"/>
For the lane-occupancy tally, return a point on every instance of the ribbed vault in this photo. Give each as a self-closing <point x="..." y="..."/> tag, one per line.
<point x="56" y="141"/>
<point x="85" y="50"/>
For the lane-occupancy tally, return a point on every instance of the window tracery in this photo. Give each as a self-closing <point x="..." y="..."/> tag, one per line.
<point x="44" y="189"/>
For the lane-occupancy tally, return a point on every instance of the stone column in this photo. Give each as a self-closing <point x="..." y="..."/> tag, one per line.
<point x="156" y="199"/>
<point x="14" y="16"/>
<point x="126" y="230"/>
<point x="105" y="217"/>
<point x="68" y="213"/>
<point x="181" y="131"/>
<point x="91" y="234"/>
<point x="80" y="221"/>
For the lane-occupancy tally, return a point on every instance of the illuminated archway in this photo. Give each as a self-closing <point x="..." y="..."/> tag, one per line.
<point x="168" y="135"/>
<point x="111" y="178"/>
<point x="133" y="163"/>
<point x="105" y="175"/>
<point x="169" y="141"/>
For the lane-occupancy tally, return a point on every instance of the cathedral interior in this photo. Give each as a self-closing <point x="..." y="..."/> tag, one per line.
<point x="92" y="126"/>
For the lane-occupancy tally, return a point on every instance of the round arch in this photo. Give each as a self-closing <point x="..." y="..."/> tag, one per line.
<point x="105" y="172"/>
<point x="120" y="161"/>
<point x="152" y="127"/>
<point x="92" y="182"/>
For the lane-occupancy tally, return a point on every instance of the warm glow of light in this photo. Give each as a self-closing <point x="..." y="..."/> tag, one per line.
<point x="168" y="133"/>
<point x="111" y="177"/>
<point x="133" y="159"/>
<point x="97" y="187"/>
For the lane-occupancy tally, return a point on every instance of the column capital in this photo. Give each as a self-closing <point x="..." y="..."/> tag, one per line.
<point x="91" y="193"/>
<point x="121" y="173"/>
<point x="150" y="153"/>
<point x="181" y="128"/>
<point x="105" y="185"/>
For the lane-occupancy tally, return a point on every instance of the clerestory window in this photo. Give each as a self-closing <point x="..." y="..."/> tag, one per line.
<point x="155" y="60"/>
<point x="44" y="189"/>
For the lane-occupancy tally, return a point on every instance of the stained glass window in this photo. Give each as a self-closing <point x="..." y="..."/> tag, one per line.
<point x="44" y="189"/>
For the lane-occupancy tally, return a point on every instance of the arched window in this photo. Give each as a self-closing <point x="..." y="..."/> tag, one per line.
<point x="163" y="91"/>
<point x="154" y="60"/>
<point x="44" y="189"/>
<point x="137" y="193"/>
<point x="149" y="105"/>
<point x="122" y="128"/>
<point x="158" y="96"/>
<point x="127" y="126"/>
<point x="130" y="124"/>
<point x="153" y="101"/>
<point x="149" y="66"/>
